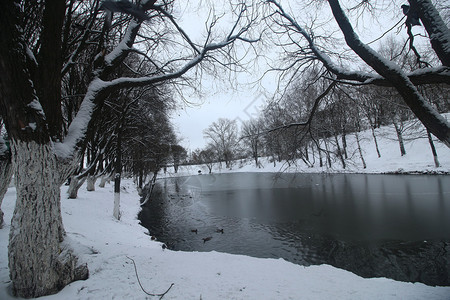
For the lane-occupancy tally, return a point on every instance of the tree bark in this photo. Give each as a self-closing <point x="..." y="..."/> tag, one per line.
<point x="39" y="263"/>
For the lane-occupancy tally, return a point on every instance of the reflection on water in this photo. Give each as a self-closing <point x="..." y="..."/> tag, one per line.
<point x="395" y="226"/>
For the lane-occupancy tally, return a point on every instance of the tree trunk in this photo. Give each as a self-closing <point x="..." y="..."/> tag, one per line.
<point x="360" y="150"/>
<point x="339" y="152"/>
<point x="5" y="179"/>
<point x="376" y="142"/>
<point x="39" y="263"/>
<point x="328" y="154"/>
<point x="400" y="138"/>
<point x="141" y="178"/>
<point x="433" y="150"/>
<point x="74" y="186"/>
<point x="118" y="170"/>
<point x="103" y="180"/>
<point x="344" y="144"/>
<point x="320" y="156"/>
<point x="91" y="179"/>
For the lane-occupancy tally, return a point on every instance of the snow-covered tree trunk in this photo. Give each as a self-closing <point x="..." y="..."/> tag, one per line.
<point x="103" y="180"/>
<point x="90" y="183"/>
<point x="37" y="224"/>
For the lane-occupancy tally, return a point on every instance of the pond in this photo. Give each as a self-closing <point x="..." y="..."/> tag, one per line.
<point x="395" y="226"/>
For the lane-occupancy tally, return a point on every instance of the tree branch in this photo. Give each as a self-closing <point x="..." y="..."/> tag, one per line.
<point x="142" y="288"/>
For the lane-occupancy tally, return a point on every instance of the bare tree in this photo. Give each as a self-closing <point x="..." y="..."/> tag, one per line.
<point x="251" y="135"/>
<point x="222" y="136"/>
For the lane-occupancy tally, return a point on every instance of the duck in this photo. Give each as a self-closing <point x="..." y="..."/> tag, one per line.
<point x="206" y="239"/>
<point x="194" y="230"/>
<point x="219" y="231"/>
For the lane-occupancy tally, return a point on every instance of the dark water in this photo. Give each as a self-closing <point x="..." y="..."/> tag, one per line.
<point x="395" y="226"/>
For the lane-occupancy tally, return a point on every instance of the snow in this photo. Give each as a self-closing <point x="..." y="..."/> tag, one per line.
<point x="37" y="107"/>
<point x="79" y="125"/>
<point x="122" y="47"/>
<point x="106" y="244"/>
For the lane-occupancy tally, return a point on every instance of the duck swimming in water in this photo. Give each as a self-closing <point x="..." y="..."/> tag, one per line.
<point x="206" y="239"/>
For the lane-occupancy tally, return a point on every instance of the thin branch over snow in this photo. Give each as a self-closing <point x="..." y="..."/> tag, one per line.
<point x="140" y="284"/>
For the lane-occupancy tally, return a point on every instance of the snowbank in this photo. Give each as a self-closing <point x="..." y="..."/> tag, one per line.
<point x="105" y="244"/>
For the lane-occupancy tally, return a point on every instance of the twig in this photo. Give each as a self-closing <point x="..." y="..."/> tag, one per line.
<point x="142" y="288"/>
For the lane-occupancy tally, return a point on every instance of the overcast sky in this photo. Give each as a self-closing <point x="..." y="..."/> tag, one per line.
<point x="243" y="103"/>
<point x="219" y="99"/>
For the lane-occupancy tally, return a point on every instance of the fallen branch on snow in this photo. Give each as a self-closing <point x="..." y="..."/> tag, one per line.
<point x="142" y="288"/>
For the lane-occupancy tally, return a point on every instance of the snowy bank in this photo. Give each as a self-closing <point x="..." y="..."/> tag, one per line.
<point x="105" y="244"/>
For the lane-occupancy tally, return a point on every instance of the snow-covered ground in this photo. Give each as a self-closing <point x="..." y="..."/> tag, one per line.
<point x="107" y="246"/>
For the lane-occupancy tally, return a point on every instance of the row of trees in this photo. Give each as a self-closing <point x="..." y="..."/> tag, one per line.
<point x="313" y="126"/>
